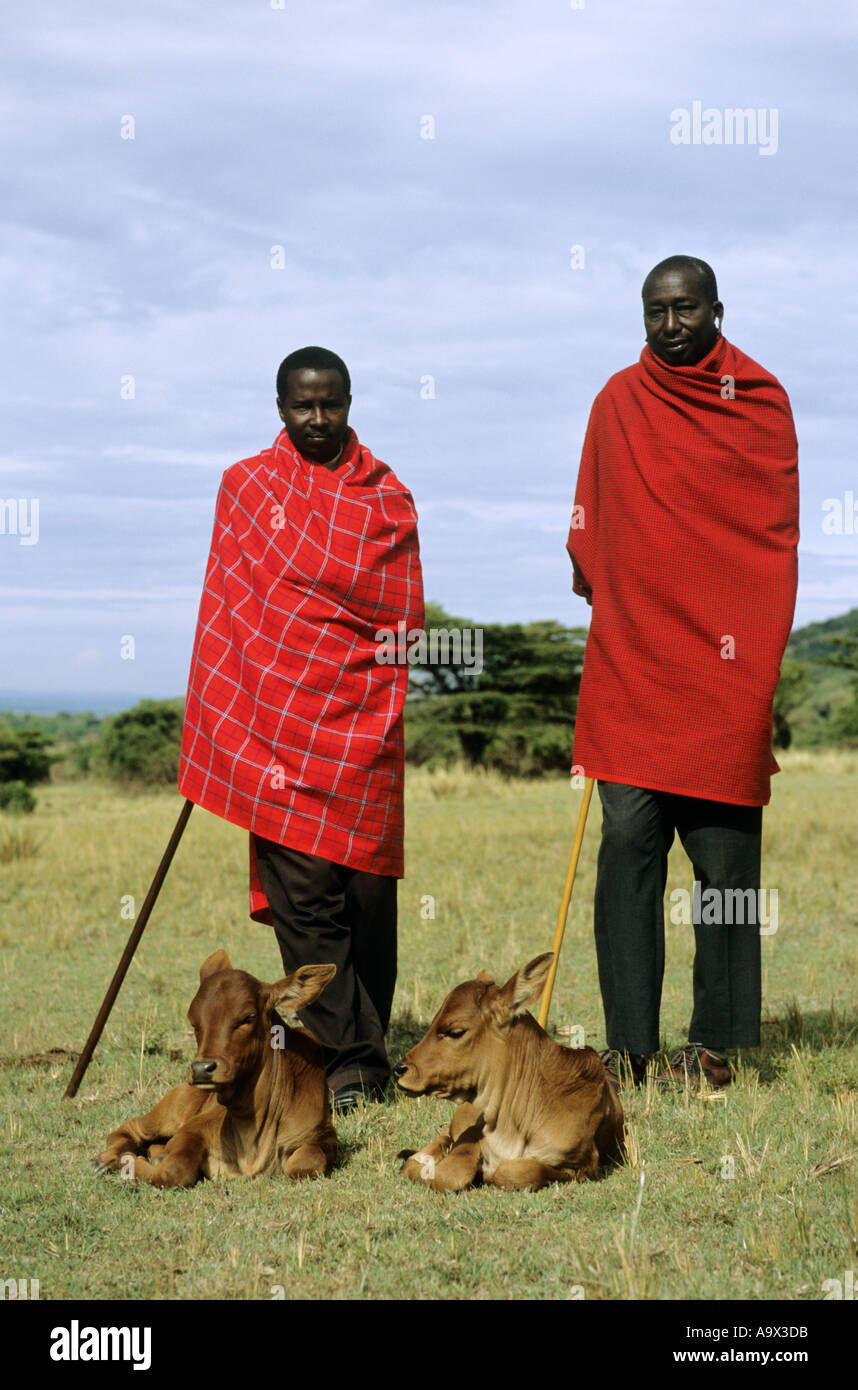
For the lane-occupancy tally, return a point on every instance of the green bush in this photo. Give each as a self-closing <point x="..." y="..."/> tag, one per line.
<point x="142" y="744"/>
<point x="24" y="755"/>
<point x="16" y="798"/>
<point x="83" y="758"/>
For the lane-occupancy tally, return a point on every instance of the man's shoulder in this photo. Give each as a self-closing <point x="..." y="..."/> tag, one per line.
<point x="385" y="478"/>
<point x="619" y="382"/>
<point x="624" y="376"/>
<point x="751" y="372"/>
<point x="373" y="473"/>
<point x="239" y="472"/>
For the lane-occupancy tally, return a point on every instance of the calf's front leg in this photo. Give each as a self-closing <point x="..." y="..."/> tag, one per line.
<point x="179" y="1164"/>
<point x="459" y="1169"/>
<point x="516" y="1173"/>
<point x="162" y="1122"/>
<point x="308" y="1161"/>
<point x="453" y="1160"/>
<point x="420" y="1167"/>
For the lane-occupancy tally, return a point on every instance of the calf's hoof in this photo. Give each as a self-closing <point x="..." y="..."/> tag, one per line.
<point x="419" y="1167"/>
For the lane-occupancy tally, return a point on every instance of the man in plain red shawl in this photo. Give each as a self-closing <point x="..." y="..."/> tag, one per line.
<point x="293" y="727"/>
<point x="683" y="538"/>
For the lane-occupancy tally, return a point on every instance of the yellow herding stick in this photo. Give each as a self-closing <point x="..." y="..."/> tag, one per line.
<point x="545" y="1003"/>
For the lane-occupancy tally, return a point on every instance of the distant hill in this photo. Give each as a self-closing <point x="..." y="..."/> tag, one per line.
<point x="812" y="643"/>
<point x="68" y="701"/>
<point x="831" y="687"/>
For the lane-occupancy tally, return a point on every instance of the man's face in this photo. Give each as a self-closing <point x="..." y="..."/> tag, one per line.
<point x="315" y="412"/>
<point x="678" y="318"/>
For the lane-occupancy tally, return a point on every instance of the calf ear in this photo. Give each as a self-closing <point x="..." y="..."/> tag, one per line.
<point x="526" y="985"/>
<point x="484" y="977"/>
<point x="301" y="988"/>
<point x="218" y="960"/>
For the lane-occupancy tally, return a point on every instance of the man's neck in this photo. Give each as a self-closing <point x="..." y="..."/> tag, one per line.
<point x="327" y="463"/>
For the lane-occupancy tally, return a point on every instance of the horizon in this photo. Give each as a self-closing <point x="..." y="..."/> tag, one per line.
<point x="104" y="703"/>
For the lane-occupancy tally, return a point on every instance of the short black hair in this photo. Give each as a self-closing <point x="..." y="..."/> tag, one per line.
<point x="319" y="358"/>
<point x="706" y="273"/>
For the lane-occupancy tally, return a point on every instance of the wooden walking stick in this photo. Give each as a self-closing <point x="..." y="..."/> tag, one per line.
<point x="545" y="1003"/>
<point x="83" y="1060"/>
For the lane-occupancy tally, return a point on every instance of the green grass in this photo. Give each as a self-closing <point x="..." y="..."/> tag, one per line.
<point x="493" y="856"/>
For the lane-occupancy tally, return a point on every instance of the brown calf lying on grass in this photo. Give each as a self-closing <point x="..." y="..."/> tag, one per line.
<point x="531" y="1112"/>
<point x="257" y="1098"/>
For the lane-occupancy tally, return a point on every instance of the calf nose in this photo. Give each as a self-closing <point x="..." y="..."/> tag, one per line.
<point x="400" y="1069"/>
<point x="202" y="1072"/>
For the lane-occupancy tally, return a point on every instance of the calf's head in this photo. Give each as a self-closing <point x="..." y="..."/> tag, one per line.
<point x="231" y="1017"/>
<point x="469" y="1033"/>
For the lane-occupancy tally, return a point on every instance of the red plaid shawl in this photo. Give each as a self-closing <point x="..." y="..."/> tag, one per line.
<point x="690" y="527"/>
<point x="292" y="728"/>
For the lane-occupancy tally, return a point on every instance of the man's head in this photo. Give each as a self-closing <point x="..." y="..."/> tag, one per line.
<point x="682" y="311"/>
<point x="313" y="400"/>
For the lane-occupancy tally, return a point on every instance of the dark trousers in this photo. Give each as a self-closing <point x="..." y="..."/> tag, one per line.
<point x="327" y="914"/>
<point x="723" y="843"/>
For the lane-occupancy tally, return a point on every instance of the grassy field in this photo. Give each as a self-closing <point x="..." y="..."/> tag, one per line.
<point x="493" y="856"/>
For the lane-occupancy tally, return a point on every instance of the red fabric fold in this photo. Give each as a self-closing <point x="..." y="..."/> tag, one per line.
<point x="293" y="729"/>
<point x="686" y="527"/>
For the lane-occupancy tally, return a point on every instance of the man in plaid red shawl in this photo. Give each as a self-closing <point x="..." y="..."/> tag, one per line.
<point x="293" y="727"/>
<point x="684" y="538"/>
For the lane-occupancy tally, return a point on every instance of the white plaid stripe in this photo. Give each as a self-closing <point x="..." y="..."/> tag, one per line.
<point x="284" y="670"/>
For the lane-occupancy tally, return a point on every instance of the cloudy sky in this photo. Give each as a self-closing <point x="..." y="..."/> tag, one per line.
<point x="305" y="128"/>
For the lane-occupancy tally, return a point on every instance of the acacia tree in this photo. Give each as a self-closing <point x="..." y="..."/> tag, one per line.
<point x="516" y="715"/>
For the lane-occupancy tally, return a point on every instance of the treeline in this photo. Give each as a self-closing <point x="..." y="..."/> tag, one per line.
<point x="138" y="747"/>
<point x="500" y="696"/>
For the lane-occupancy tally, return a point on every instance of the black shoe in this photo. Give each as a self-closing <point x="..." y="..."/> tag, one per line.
<point x="348" y="1098"/>
<point x="623" y="1067"/>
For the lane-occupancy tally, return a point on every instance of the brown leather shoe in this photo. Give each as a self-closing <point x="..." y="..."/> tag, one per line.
<point x="624" y="1067"/>
<point x="695" y="1064"/>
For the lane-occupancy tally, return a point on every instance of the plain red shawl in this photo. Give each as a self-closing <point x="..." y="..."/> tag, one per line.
<point x="293" y="729"/>
<point x="687" y="536"/>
